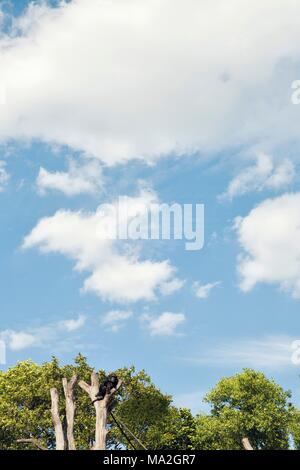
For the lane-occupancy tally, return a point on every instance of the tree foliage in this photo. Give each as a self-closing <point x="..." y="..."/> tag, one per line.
<point x="295" y="428"/>
<point x="246" y="405"/>
<point x="25" y="406"/>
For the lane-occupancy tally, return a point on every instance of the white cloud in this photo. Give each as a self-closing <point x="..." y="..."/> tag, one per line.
<point x="264" y="174"/>
<point x="282" y="175"/>
<point x="73" y="324"/>
<point x="86" y="178"/>
<point x="117" y="274"/>
<point x="165" y="324"/>
<point x="126" y="279"/>
<point x="170" y="287"/>
<point x="4" y="175"/>
<point x="115" y="319"/>
<point x="268" y="352"/>
<point x="270" y="240"/>
<point x="92" y="75"/>
<point x="47" y="335"/>
<point x="202" y="291"/>
<point x="18" y="340"/>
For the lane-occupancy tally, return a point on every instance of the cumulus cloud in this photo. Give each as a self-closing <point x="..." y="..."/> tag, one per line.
<point x="264" y="174"/>
<point x="202" y="291"/>
<point x="270" y="240"/>
<point x="114" y="320"/>
<point x="18" y="340"/>
<point x="116" y="273"/>
<point x="91" y="74"/>
<point x="165" y="324"/>
<point x="4" y="175"/>
<point x="79" y="179"/>
<point x="73" y="324"/>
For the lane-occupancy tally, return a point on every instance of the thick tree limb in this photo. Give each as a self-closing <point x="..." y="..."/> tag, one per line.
<point x="101" y="407"/>
<point x="59" y="433"/>
<point x="84" y="386"/>
<point x="70" y="409"/>
<point x="34" y="441"/>
<point x="246" y="444"/>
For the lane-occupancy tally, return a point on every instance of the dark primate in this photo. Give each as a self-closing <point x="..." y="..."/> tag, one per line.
<point x="107" y="385"/>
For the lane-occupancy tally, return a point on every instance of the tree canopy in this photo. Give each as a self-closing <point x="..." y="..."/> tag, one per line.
<point x="245" y="405"/>
<point x="25" y="407"/>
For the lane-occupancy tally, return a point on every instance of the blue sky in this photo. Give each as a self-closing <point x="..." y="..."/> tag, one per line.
<point x="193" y="155"/>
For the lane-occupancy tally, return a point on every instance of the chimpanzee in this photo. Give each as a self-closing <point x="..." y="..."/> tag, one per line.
<point x="107" y="385"/>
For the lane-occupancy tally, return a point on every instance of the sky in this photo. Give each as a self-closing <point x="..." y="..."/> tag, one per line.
<point x="159" y="101"/>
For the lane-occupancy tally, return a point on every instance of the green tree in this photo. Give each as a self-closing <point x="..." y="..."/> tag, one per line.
<point x="295" y="428"/>
<point x="25" y="402"/>
<point x="245" y="405"/>
<point x="25" y="407"/>
<point x="176" y="431"/>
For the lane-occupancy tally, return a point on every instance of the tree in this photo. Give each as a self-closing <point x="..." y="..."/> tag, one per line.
<point x="25" y="403"/>
<point x="216" y="433"/>
<point x="176" y="431"/>
<point x="295" y="428"/>
<point x="141" y="406"/>
<point x="25" y="406"/>
<point x="245" y="405"/>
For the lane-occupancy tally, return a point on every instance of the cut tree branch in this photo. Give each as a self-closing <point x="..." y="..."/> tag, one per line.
<point x="246" y="444"/>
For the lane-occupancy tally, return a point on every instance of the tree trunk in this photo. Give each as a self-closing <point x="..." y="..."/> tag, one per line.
<point x="101" y="420"/>
<point x="70" y="409"/>
<point x="246" y="444"/>
<point x="101" y="407"/>
<point x="59" y="433"/>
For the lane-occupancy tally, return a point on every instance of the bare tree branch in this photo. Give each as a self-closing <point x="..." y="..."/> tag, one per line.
<point x="59" y="434"/>
<point x="70" y="409"/>
<point x="34" y="441"/>
<point x="85" y="387"/>
<point x="94" y="381"/>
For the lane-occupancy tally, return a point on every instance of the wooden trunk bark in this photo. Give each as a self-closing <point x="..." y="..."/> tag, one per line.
<point x="101" y="408"/>
<point x="59" y="433"/>
<point x="101" y="421"/>
<point x="70" y="409"/>
<point x="246" y="444"/>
